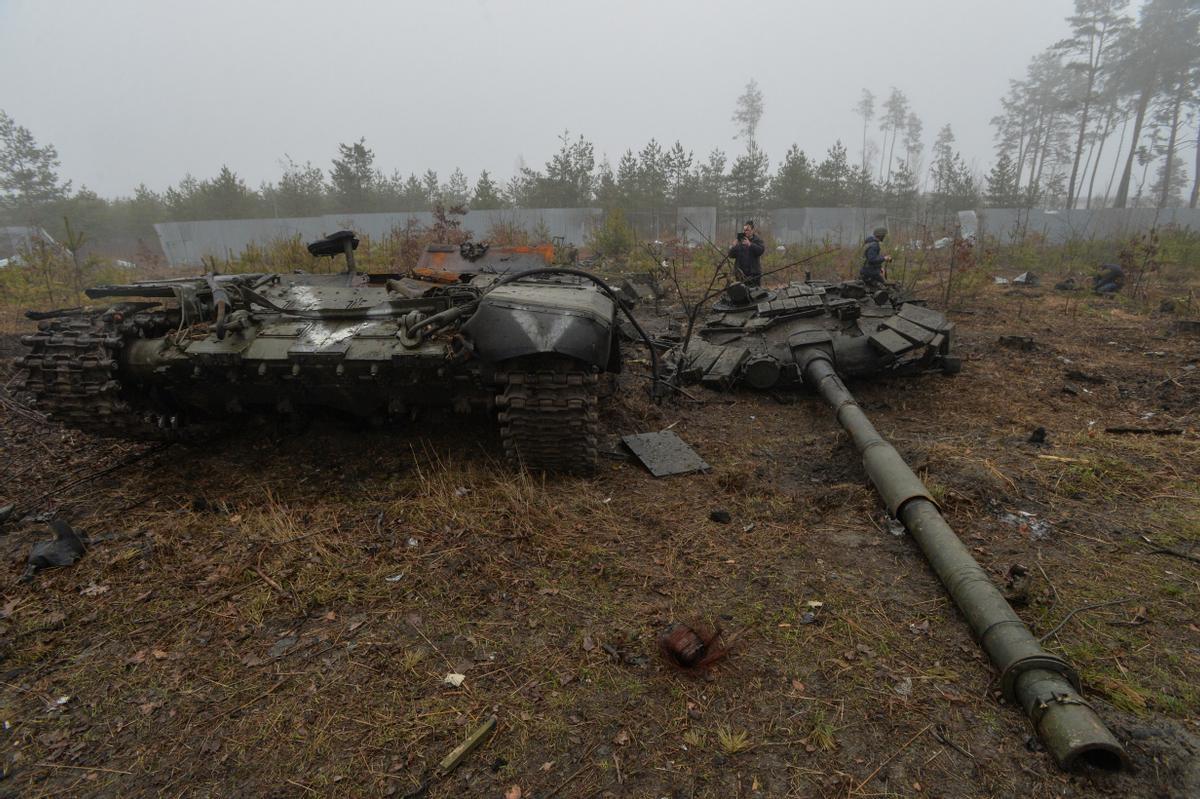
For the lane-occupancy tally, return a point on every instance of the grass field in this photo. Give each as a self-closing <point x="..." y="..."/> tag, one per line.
<point x="274" y="614"/>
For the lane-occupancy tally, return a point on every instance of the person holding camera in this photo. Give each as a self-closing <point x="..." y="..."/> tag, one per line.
<point x="874" y="260"/>
<point x="745" y="254"/>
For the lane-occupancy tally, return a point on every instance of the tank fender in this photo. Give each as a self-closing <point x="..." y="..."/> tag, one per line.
<point x="502" y="331"/>
<point x="504" y="328"/>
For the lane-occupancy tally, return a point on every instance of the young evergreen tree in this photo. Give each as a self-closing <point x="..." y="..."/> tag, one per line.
<point x="653" y="181"/>
<point x="301" y="190"/>
<point x="711" y="180"/>
<point x="1002" y="190"/>
<point x="353" y="177"/>
<point x="748" y="182"/>
<point x="487" y="194"/>
<point x="901" y="195"/>
<point x="792" y="186"/>
<point x="457" y="192"/>
<point x="433" y="189"/>
<point x="569" y="174"/>
<point x="831" y="184"/>
<point x="628" y="181"/>
<point x="677" y="163"/>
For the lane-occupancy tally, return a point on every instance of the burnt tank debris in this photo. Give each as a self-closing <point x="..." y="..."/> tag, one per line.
<point x="471" y="327"/>
<point x="818" y="335"/>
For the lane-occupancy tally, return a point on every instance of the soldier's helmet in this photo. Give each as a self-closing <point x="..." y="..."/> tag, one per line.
<point x="879" y="233"/>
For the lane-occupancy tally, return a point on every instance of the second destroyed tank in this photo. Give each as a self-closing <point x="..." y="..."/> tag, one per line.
<point x="470" y="327"/>
<point x="752" y="335"/>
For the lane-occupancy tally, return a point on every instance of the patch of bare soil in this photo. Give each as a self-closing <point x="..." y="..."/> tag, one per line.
<point x="276" y="615"/>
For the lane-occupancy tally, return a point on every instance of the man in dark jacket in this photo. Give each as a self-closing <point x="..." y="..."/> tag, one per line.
<point x="746" y="252"/>
<point x="874" y="259"/>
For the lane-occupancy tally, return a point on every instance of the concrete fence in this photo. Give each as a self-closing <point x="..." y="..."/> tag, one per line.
<point x="1010" y="225"/>
<point x="188" y="243"/>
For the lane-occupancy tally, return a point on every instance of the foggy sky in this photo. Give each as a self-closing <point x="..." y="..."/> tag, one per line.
<point x="143" y="92"/>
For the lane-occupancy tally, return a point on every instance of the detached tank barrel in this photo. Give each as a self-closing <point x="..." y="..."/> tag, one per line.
<point x="1043" y="685"/>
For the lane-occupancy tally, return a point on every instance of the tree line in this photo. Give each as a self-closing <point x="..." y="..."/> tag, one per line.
<point x="1103" y="117"/>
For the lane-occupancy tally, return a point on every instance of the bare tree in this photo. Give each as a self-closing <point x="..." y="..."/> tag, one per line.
<point x="747" y="113"/>
<point x="866" y="110"/>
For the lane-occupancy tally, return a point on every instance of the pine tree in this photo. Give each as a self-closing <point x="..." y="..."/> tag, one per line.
<point x="792" y="186"/>
<point x="353" y="177"/>
<point x="456" y="193"/>
<point x="1002" y="191"/>
<point x="301" y="190"/>
<point x="487" y="194"/>
<point x="28" y="173"/>
<point x="748" y="182"/>
<point x="832" y="179"/>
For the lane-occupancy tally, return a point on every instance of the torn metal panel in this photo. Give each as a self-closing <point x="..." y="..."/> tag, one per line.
<point x="665" y="453"/>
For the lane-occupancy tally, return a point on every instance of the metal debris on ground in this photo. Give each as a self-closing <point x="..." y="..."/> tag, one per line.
<point x="664" y="453"/>
<point x="67" y="547"/>
<point x="451" y="761"/>
<point x="689" y="648"/>
<point x="1029" y="523"/>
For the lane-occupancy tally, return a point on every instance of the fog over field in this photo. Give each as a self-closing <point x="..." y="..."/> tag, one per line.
<point x="145" y="92"/>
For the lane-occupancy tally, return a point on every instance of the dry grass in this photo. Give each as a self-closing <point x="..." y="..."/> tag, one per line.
<point x="289" y="634"/>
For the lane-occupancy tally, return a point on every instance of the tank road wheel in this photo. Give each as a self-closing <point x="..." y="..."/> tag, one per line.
<point x="549" y="420"/>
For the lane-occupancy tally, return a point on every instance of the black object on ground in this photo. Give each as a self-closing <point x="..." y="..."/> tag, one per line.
<point x="1038" y="436"/>
<point x="720" y="516"/>
<point x="1025" y="343"/>
<point x="67" y="547"/>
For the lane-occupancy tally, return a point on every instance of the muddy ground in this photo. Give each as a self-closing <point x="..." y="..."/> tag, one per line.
<point x="274" y="614"/>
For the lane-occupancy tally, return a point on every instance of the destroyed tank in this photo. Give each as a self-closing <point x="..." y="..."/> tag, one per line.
<point x="819" y="334"/>
<point x="472" y="327"/>
<point x="752" y="335"/>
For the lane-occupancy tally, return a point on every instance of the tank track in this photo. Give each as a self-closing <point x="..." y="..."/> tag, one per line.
<point x="549" y="420"/>
<point x="70" y="371"/>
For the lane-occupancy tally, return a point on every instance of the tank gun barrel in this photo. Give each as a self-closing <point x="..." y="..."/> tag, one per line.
<point x="1043" y="685"/>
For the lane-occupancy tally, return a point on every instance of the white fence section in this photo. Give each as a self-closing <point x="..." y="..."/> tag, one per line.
<point x="1058" y="227"/>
